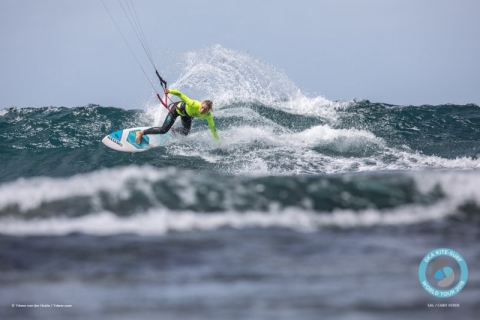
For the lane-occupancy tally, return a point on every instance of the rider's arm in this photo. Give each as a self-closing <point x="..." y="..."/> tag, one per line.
<point x="179" y="94"/>
<point x="211" y="125"/>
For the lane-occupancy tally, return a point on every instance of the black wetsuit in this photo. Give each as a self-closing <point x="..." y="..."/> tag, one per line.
<point x="175" y="109"/>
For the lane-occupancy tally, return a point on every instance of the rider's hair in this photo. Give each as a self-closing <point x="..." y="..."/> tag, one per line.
<point x="209" y="104"/>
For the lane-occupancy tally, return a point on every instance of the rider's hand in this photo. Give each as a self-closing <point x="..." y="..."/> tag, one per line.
<point x="166" y="91"/>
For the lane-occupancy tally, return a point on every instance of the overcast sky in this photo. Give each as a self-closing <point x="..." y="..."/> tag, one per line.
<point x="69" y="53"/>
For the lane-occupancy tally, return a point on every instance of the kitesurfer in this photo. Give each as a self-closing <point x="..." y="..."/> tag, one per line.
<point x="187" y="109"/>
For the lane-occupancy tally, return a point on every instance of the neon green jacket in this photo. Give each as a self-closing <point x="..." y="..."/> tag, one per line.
<point x="193" y="110"/>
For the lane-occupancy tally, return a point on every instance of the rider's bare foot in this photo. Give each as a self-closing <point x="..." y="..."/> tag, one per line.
<point x="138" y="137"/>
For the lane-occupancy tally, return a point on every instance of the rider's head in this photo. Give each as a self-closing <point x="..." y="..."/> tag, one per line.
<point x="207" y="106"/>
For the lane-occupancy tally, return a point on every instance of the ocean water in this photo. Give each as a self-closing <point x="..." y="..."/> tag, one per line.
<point x="315" y="208"/>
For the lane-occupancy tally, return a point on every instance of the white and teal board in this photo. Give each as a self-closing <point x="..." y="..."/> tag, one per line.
<point x="124" y="140"/>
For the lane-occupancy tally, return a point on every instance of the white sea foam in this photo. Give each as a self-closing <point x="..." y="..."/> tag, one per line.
<point x="319" y="149"/>
<point x="32" y="192"/>
<point x="318" y="135"/>
<point x="159" y="222"/>
<point x="459" y="187"/>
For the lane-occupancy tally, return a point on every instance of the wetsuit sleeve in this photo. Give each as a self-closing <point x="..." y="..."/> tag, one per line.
<point x="179" y="94"/>
<point x="211" y="125"/>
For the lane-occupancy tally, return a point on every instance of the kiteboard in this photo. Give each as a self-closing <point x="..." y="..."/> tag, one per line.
<point x="124" y="140"/>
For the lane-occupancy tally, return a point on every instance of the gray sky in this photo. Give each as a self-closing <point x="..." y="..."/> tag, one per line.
<point x="69" y="53"/>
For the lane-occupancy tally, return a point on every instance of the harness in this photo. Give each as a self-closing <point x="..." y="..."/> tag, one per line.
<point x="179" y="107"/>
